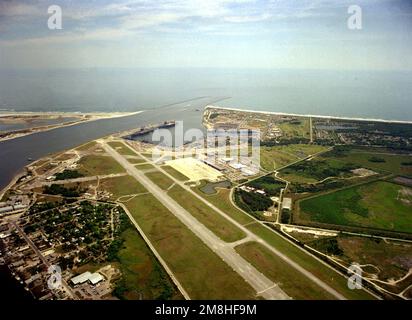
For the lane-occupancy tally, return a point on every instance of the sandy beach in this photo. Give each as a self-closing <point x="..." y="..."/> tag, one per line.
<point x="81" y="118"/>
<point x="310" y="115"/>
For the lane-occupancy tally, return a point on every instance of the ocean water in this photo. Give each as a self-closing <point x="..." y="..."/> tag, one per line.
<point x="374" y="94"/>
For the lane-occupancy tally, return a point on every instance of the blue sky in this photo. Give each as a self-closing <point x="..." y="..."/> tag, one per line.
<point x="295" y="34"/>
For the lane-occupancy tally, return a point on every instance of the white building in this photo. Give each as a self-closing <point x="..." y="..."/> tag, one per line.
<point x="94" y="278"/>
<point x="248" y="172"/>
<point x="237" y="165"/>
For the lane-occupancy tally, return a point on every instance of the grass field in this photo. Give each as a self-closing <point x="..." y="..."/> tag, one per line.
<point x="381" y="205"/>
<point x="65" y="156"/>
<point x="302" y="150"/>
<point x="92" y="165"/>
<point x="318" y="269"/>
<point x="87" y="146"/>
<point x="121" y="186"/>
<point x="383" y="260"/>
<point x="176" y="174"/>
<point x="392" y="164"/>
<point x="219" y="225"/>
<point x="279" y="156"/>
<point x="160" y="179"/>
<point x="393" y="259"/>
<point x="144" y="166"/>
<point x="329" y="164"/>
<point x="222" y="201"/>
<point x="136" y="160"/>
<point x="143" y="277"/>
<point x="122" y="148"/>
<point x="291" y="281"/>
<point x="295" y="177"/>
<point x="316" y="170"/>
<point x="201" y="272"/>
<point x="272" y="158"/>
<point x="300" y="129"/>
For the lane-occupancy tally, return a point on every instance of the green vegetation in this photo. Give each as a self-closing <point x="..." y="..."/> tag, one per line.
<point x="252" y="202"/>
<point x="87" y="146"/>
<point x="160" y="179"/>
<point x="145" y="166"/>
<point x="330" y="246"/>
<point x="379" y="257"/>
<point x="121" y="186"/>
<point x="213" y="116"/>
<point x="86" y="224"/>
<point x="218" y="224"/>
<point x="317" y="170"/>
<point x="302" y="150"/>
<point x="277" y="156"/>
<point x="385" y="259"/>
<point x="269" y="184"/>
<point x="389" y="163"/>
<point x="295" y="128"/>
<point x="191" y="261"/>
<point x="326" y="185"/>
<point x="91" y="246"/>
<point x="136" y="160"/>
<point x="340" y="161"/>
<point x="292" y="282"/>
<point x="176" y="174"/>
<point x="121" y="148"/>
<point x="57" y="189"/>
<point x="381" y="205"/>
<point x="376" y="160"/>
<point x="92" y="165"/>
<point x="68" y="174"/>
<point x="142" y="275"/>
<point x="255" y="203"/>
<point x="222" y="201"/>
<point x="272" y="158"/>
<point x="318" y="269"/>
<point x="285" y="216"/>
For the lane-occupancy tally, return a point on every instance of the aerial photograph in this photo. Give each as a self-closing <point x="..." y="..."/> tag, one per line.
<point x="206" y="150"/>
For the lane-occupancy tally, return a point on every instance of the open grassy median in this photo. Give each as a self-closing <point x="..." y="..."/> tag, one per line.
<point x="292" y="282"/>
<point x="218" y="224"/>
<point x="222" y="201"/>
<point x="160" y="179"/>
<point x="317" y="268"/>
<point x="122" y="148"/>
<point x="201" y="272"/>
<point x="136" y="160"/>
<point x="145" y="166"/>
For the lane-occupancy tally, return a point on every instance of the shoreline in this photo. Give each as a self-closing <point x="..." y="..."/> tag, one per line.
<point x="94" y="116"/>
<point x="309" y="115"/>
<point x="21" y="173"/>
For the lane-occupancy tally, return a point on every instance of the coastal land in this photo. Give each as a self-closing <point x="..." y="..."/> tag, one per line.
<point x="123" y="224"/>
<point x="19" y="124"/>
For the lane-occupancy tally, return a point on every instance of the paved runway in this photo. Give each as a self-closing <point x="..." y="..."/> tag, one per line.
<point x="263" y="286"/>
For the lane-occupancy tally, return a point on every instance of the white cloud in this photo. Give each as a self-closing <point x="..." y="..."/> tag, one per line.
<point x="245" y="19"/>
<point x="15" y="9"/>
